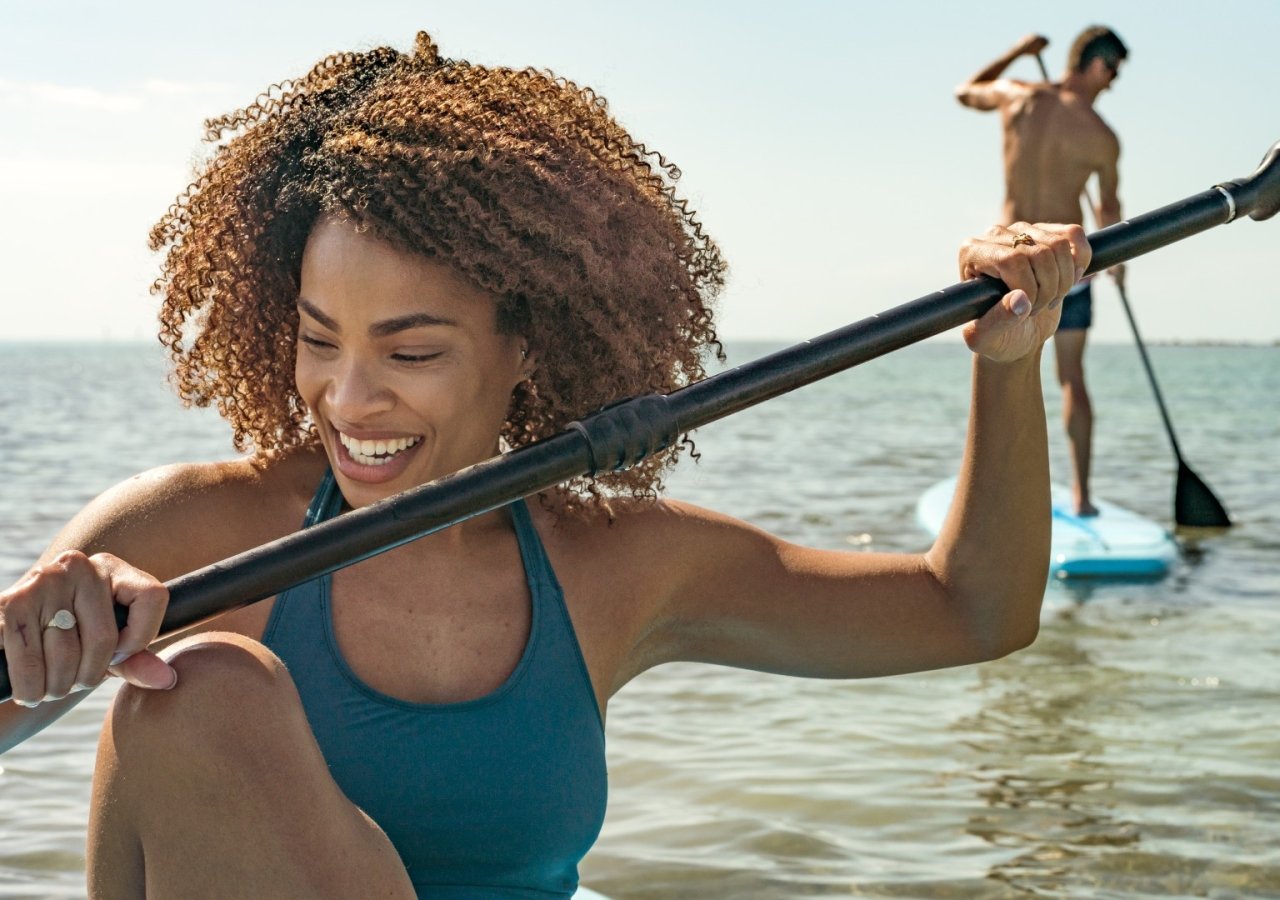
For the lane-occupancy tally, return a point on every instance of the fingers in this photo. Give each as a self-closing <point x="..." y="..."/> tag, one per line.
<point x="1052" y="281"/>
<point x="1008" y="331"/>
<point x="145" y="669"/>
<point x="1078" y="244"/>
<point x="1033" y="43"/>
<point x="147" y="600"/>
<point x="61" y="648"/>
<point x="1039" y="264"/>
<point x="1043" y="261"/>
<point x="95" y="626"/>
<point x="23" y="643"/>
<point x="47" y="662"/>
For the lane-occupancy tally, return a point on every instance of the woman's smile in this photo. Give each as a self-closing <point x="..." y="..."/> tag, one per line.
<point x="373" y="460"/>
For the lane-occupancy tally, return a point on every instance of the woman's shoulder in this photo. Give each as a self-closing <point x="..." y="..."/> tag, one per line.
<point x="176" y="517"/>
<point x="661" y="540"/>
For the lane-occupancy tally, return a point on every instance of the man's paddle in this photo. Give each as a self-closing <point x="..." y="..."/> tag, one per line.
<point x="1043" y="71"/>
<point x="622" y="434"/>
<point x="1193" y="503"/>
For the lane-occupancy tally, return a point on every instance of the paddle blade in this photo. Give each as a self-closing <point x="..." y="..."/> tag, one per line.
<point x="1194" y="504"/>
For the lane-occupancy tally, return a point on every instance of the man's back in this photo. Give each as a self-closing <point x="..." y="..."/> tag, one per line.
<point x="1053" y="142"/>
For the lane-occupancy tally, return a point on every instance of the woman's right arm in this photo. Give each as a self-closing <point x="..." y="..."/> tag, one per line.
<point x="116" y="551"/>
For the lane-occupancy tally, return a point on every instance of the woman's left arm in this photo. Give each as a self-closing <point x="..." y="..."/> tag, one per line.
<point x="738" y="596"/>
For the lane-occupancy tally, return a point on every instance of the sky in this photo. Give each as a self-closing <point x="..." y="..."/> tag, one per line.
<point x="819" y="141"/>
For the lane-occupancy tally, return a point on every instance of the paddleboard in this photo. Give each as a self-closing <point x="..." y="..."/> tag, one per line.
<point x="585" y="893"/>
<point x="1116" y="543"/>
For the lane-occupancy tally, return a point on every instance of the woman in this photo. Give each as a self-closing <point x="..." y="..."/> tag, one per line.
<point x="389" y="270"/>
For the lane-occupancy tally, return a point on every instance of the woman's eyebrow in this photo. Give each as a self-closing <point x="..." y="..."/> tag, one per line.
<point x="378" y="329"/>
<point x="403" y="323"/>
<point x="310" y="309"/>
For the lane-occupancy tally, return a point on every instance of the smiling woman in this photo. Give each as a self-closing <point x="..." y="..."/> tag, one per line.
<point x="400" y="363"/>
<point x="390" y="268"/>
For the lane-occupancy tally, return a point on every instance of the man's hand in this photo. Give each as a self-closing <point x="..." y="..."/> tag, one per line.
<point x="1030" y="45"/>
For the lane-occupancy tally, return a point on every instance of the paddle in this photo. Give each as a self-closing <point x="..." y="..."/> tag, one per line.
<point x="622" y="434"/>
<point x="1194" y="504"/>
<point x="1043" y="71"/>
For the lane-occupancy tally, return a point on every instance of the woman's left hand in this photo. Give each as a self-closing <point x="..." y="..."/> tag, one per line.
<point x="1039" y="263"/>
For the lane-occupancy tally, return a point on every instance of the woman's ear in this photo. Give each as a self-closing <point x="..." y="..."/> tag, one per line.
<point x="527" y="363"/>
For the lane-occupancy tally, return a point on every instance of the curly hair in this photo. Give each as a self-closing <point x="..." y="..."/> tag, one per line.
<point x="518" y="179"/>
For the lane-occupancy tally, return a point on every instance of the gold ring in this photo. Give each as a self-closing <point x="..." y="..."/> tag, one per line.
<point x="1023" y="238"/>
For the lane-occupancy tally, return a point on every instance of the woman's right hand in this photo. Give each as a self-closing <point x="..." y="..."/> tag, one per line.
<point x="47" y="662"/>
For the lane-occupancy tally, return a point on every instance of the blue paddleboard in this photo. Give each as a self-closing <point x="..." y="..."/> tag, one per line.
<point x="1116" y="543"/>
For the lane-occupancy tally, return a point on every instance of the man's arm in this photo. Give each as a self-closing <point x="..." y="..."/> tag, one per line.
<point x="1107" y="210"/>
<point x="986" y="90"/>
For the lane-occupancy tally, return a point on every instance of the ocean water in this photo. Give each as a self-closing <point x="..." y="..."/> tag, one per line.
<point x="1133" y="750"/>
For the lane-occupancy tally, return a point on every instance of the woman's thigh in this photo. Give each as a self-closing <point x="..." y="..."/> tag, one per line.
<point x="217" y="788"/>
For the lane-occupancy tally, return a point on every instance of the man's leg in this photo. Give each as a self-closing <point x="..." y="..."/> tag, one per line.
<point x="1077" y="412"/>
<point x="218" y="789"/>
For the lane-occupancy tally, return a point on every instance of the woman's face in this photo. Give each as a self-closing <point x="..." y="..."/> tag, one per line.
<point x="399" y="363"/>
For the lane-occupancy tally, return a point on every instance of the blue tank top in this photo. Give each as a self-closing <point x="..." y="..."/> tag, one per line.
<point x="496" y="797"/>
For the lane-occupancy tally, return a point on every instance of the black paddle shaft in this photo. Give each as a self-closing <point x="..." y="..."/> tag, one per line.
<point x="622" y="434"/>
<point x="1194" y="503"/>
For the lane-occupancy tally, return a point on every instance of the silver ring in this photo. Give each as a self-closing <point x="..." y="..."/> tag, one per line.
<point x="63" y="620"/>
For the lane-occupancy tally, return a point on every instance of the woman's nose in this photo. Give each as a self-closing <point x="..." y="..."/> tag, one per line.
<point x="356" y="392"/>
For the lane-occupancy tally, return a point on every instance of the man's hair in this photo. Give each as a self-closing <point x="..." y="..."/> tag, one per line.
<point x="1096" y="42"/>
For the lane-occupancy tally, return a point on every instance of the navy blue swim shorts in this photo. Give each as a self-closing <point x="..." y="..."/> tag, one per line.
<point x="1077" y="308"/>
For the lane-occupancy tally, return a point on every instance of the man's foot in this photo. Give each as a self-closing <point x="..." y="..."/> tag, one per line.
<point x="1085" y="509"/>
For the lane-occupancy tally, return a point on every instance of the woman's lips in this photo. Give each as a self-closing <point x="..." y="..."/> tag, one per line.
<point x="373" y="460"/>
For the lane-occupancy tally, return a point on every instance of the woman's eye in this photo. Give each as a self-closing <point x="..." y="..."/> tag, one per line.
<point x="315" y="342"/>
<point x="415" y="357"/>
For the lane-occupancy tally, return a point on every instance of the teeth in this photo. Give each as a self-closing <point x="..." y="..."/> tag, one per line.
<point x="375" y="453"/>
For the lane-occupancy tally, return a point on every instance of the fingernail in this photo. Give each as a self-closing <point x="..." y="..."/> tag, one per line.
<point x="1021" y="305"/>
<point x="173" y="682"/>
<point x="1079" y="272"/>
<point x="26" y="704"/>
<point x="120" y="657"/>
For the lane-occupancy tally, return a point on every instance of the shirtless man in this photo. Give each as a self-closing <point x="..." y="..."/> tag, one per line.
<point x="1054" y="140"/>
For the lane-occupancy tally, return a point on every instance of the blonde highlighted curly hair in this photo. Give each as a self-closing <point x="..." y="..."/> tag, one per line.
<point x="519" y="179"/>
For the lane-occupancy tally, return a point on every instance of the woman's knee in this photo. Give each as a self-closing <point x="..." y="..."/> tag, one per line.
<point x="227" y="685"/>
<point x="217" y="656"/>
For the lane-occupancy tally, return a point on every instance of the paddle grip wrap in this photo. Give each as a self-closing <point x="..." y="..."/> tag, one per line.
<point x="621" y="435"/>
